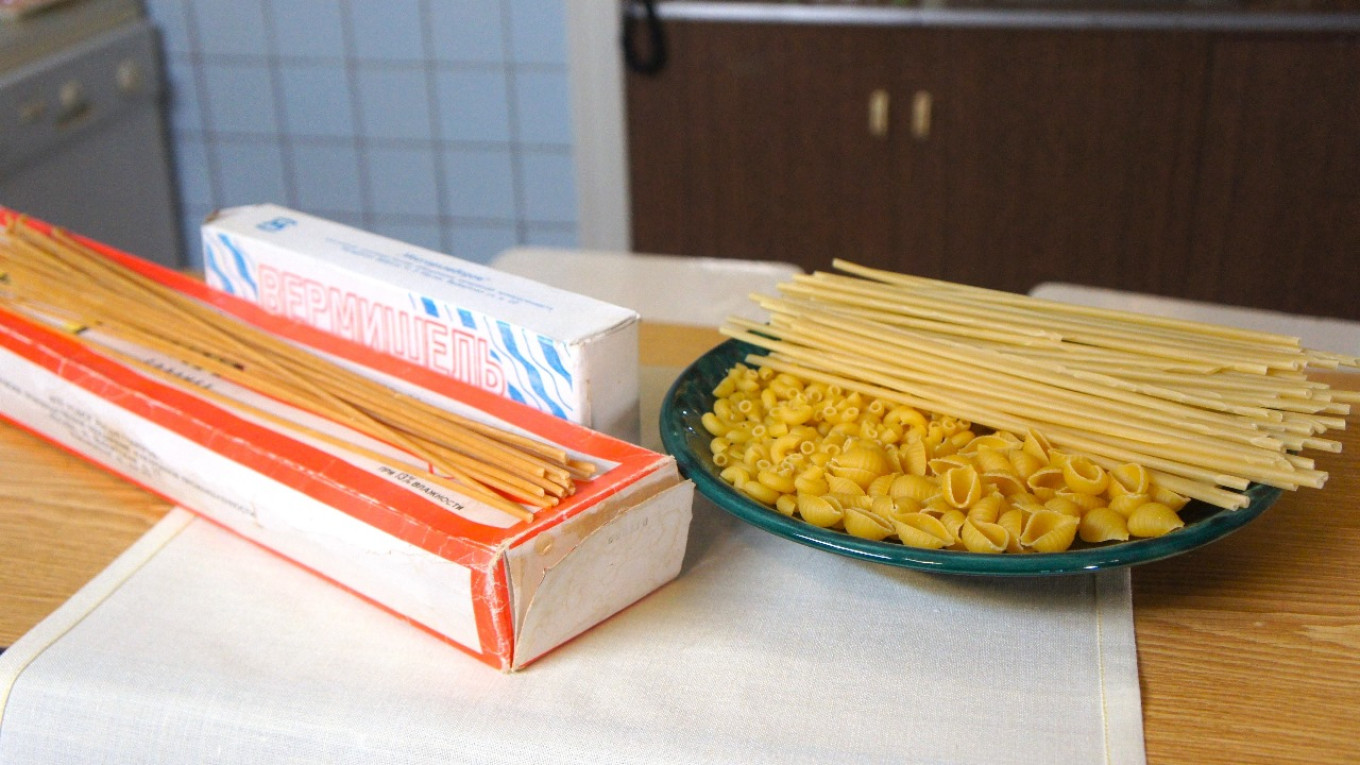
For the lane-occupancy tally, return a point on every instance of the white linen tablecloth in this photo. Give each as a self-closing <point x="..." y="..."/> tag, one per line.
<point x="196" y="646"/>
<point x="200" y="647"/>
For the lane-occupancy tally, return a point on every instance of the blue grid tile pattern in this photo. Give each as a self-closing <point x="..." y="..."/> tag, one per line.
<point x="402" y="182"/>
<point x="172" y="23"/>
<point x="230" y="29"/>
<point x="543" y="107"/>
<point x="480" y="184"/>
<point x="394" y="103"/>
<point x="325" y="173"/>
<point x="548" y="235"/>
<point x="546" y="173"/>
<point x="311" y="29"/>
<point x="194" y="174"/>
<point x="420" y="234"/>
<point x="388" y="31"/>
<point x="482" y="242"/>
<point x="239" y="98"/>
<point x="316" y="100"/>
<point x="474" y="105"/>
<point x="185" y="113"/>
<point x="536" y="32"/>
<point x="249" y="171"/>
<point x="468" y="31"/>
<point x="445" y="123"/>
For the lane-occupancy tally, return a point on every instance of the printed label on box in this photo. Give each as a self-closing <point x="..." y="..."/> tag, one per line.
<point x="556" y="351"/>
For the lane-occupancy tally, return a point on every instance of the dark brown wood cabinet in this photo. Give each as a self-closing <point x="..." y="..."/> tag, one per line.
<point x="753" y="143"/>
<point x="1278" y="214"/>
<point x="1063" y="155"/>
<point x="1199" y="164"/>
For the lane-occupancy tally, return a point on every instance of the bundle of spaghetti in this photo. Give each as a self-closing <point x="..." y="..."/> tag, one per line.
<point x="55" y="278"/>
<point x="1208" y="409"/>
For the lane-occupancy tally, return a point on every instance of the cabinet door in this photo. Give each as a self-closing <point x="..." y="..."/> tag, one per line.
<point x="755" y="142"/>
<point x="1067" y="155"/>
<point x="1279" y="219"/>
<point x="1006" y="157"/>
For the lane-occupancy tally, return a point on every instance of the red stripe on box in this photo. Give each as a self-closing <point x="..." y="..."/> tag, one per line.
<point x="309" y="470"/>
<point x="495" y="623"/>
<point x="494" y="658"/>
<point x="76" y="372"/>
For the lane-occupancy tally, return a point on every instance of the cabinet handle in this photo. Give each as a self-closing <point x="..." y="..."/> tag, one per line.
<point x="878" y="113"/>
<point x="920" y="115"/>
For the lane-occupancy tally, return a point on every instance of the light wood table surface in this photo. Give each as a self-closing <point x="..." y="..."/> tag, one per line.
<point x="1248" y="649"/>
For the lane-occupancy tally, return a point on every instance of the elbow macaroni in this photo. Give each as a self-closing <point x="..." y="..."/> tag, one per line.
<point x="884" y="471"/>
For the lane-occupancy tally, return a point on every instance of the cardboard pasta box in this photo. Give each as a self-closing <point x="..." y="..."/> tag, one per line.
<point x="555" y="350"/>
<point x="504" y="590"/>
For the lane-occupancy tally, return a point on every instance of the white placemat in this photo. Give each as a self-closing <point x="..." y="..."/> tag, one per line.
<point x="196" y="646"/>
<point x="200" y="647"/>
<point x="661" y="288"/>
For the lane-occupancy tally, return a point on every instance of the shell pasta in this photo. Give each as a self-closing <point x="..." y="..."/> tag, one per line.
<point x="887" y="472"/>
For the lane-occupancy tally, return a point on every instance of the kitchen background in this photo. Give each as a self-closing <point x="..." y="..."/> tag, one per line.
<point x="444" y="123"/>
<point x="1184" y="152"/>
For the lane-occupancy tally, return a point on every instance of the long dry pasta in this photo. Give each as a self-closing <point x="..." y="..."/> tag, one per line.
<point x="1206" y="410"/>
<point x="1091" y="424"/>
<point x="54" y="277"/>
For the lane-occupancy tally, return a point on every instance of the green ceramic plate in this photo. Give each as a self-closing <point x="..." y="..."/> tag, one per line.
<point x="685" y="438"/>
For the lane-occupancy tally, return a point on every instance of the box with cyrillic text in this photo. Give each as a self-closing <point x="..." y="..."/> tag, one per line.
<point x="352" y="508"/>
<point x="555" y="350"/>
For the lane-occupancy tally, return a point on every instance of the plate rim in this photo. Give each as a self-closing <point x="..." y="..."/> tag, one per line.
<point x="1218" y="524"/>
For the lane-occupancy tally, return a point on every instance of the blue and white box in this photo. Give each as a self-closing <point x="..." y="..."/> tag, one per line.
<point x="558" y="351"/>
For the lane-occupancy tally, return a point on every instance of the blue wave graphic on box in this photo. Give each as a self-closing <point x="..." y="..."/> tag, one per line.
<point x="550" y="357"/>
<point x="530" y="370"/>
<point x="536" y="374"/>
<point x="228" y="268"/>
<point x="530" y="378"/>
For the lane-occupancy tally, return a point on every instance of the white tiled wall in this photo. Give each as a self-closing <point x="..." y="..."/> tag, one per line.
<point x="441" y="122"/>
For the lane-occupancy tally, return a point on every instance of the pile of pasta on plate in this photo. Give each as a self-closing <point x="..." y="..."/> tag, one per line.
<point x="943" y="416"/>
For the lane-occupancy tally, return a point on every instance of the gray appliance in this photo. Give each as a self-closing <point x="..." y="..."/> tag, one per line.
<point x="82" y="134"/>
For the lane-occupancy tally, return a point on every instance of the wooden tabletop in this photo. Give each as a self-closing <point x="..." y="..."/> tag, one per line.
<point x="1248" y="649"/>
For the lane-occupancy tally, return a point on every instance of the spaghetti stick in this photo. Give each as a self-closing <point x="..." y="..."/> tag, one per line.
<point x="994" y="366"/>
<point x="181" y="309"/>
<point x="1104" y="358"/>
<point x="529" y="484"/>
<point x="472" y="491"/>
<point x="1232" y="470"/>
<point x="1129" y="317"/>
<point x="1155" y="344"/>
<point x="1103" y="385"/>
<point x="300" y="400"/>
<point x="1202" y="488"/>
<point x="1060" y="406"/>
<point x="56" y="275"/>
<point x="449" y="460"/>
<point x="840" y="288"/>
<point x="1208" y="409"/>
<point x="288" y="353"/>
<point x="883" y="387"/>
<point x="413" y="410"/>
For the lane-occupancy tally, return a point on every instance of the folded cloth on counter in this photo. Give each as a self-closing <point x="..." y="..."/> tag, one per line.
<point x="198" y="646"/>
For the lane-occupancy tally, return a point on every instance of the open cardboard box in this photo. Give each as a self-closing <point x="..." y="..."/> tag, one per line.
<point x="555" y="350"/>
<point x="503" y="590"/>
